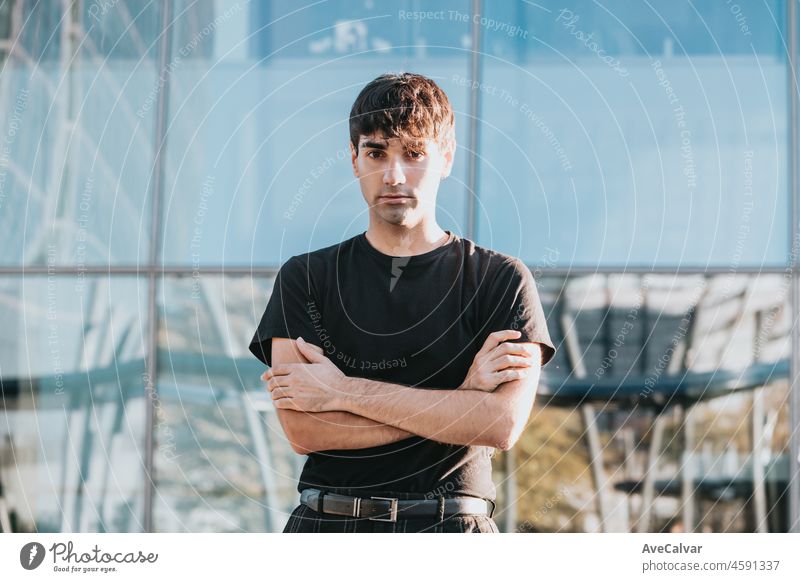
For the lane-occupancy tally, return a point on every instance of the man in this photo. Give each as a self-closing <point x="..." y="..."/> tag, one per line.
<point x="402" y="357"/>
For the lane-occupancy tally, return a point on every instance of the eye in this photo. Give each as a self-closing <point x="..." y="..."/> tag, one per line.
<point x="369" y="153"/>
<point x="416" y="155"/>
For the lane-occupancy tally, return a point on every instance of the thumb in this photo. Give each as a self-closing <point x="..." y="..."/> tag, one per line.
<point x="309" y="351"/>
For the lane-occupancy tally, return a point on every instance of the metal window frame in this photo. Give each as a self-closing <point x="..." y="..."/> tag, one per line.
<point x="794" y="302"/>
<point x="157" y="177"/>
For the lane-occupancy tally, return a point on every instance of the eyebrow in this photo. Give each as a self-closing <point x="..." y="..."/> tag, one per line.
<point x="382" y="146"/>
<point x="373" y="144"/>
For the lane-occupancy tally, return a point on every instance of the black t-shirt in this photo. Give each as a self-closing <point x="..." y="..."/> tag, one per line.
<point x="416" y="321"/>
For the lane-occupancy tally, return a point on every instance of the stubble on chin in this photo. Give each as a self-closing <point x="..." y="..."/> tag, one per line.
<point x="398" y="217"/>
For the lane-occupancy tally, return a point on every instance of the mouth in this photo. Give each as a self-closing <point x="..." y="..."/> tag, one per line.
<point x="394" y="199"/>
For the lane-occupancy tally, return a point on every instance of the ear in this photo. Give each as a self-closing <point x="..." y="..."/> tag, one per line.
<point x="353" y="158"/>
<point x="449" y="156"/>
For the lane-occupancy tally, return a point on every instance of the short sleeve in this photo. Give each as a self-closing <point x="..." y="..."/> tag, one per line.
<point x="510" y="300"/>
<point x="292" y="310"/>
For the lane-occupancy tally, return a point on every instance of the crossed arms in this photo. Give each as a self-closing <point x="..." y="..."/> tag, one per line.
<point x="320" y="408"/>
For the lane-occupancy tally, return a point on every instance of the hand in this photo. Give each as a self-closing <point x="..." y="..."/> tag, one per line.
<point x="500" y="361"/>
<point x="312" y="387"/>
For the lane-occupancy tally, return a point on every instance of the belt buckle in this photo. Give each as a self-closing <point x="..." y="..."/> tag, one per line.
<point x="356" y="506"/>
<point x="392" y="509"/>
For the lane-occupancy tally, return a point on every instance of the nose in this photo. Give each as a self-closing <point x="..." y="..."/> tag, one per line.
<point x="394" y="173"/>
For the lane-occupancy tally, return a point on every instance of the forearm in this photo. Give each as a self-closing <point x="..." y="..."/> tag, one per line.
<point x="335" y="430"/>
<point x="308" y="432"/>
<point x="462" y="417"/>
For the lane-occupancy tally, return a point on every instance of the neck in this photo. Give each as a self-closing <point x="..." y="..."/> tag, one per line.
<point x="402" y="241"/>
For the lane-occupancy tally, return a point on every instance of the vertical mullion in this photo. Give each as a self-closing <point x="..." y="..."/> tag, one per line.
<point x="159" y="142"/>
<point x="794" y="361"/>
<point x="474" y="110"/>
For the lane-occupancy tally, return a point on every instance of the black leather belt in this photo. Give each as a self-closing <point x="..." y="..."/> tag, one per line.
<point x="392" y="508"/>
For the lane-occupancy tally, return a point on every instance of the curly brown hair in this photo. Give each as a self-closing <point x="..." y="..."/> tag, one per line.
<point x="404" y="105"/>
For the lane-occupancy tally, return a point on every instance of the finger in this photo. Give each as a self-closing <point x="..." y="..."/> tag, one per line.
<point x="497" y="337"/>
<point x="533" y="349"/>
<point x="280" y="369"/>
<point x="280" y="392"/>
<point x="276" y="372"/>
<point x="276" y="383"/>
<point x="311" y="354"/>
<point x="531" y="352"/>
<point x="520" y="349"/>
<point x="285" y="403"/>
<point x="511" y="361"/>
<point x="315" y="347"/>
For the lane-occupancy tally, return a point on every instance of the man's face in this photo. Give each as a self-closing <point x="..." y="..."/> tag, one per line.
<point x="399" y="181"/>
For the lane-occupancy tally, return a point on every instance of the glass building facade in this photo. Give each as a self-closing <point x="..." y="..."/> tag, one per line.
<point x="161" y="160"/>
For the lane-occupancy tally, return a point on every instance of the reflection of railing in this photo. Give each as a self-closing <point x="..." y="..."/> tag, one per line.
<point x="677" y="383"/>
<point x="685" y="388"/>
<point x="727" y="478"/>
<point x="251" y="400"/>
<point x="91" y="401"/>
<point x="254" y="401"/>
<point x="97" y="401"/>
<point x="256" y="406"/>
<point x="720" y="476"/>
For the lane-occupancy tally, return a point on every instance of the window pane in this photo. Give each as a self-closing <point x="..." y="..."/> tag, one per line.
<point x="222" y="462"/>
<point x="632" y="346"/>
<point x="79" y="134"/>
<point x="73" y="402"/>
<point x="632" y="134"/>
<point x="258" y="158"/>
<point x="363" y="28"/>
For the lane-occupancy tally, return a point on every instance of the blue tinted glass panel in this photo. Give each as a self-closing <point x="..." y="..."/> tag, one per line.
<point x="630" y="134"/>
